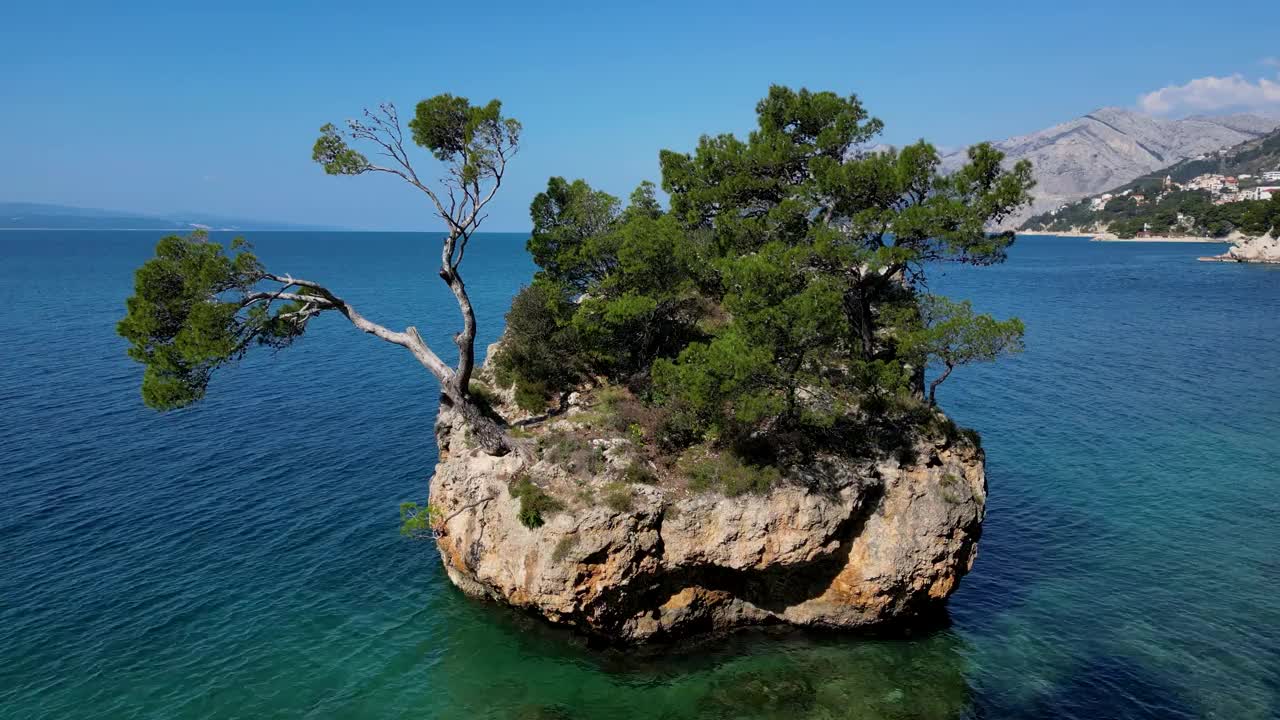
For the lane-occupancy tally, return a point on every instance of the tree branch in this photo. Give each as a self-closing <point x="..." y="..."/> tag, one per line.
<point x="475" y="155"/>
<point x="409" y="339"/>
<point x="385" y="132"/>
<point x="933" y="386"/>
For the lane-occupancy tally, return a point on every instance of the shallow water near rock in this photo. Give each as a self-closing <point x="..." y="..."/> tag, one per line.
<point x="241" y="558"/>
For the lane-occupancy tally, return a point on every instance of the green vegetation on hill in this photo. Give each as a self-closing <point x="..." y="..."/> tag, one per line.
<point x="781" y="295"/>
<point x="1165" y="211"/>
<point x="1199" y="216"/>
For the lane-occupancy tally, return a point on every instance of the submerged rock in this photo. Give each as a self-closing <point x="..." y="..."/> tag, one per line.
<point x="841" y="543"/>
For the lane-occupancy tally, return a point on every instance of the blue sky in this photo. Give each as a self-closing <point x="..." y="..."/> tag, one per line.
<point x="163" y="107"/>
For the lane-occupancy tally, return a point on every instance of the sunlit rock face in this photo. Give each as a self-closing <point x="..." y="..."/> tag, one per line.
<point x="839" y="544"/>
<point x="1110" y="147"/>
<point x="1265" y="249"/>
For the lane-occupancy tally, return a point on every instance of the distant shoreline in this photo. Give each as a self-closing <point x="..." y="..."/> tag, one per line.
<point x="1180" y="239"/>
<point x="1055" y="233"/>
<point x="249" y="230"/>
<point x="1108" y="237"/>
<point x="77" y="229"/>
<point x="176" y="229"/>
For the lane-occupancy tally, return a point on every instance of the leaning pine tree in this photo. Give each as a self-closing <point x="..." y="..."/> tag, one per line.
<point x="195" y="308"/>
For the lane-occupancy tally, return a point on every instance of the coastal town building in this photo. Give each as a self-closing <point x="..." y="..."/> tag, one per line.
<point x="1253" y="193"/>
<point x="1209" y="181"/>
<point x="1226" y="189"/>
<point x="1222" y="190"/>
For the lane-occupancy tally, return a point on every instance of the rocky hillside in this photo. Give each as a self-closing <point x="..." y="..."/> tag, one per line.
<point x="1208" y="195"/>
<point x="1251" y="157"/>
<point x="1112" y="146"/>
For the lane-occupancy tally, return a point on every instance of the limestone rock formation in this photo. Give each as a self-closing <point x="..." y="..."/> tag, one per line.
<point x="1112" y="146"/>
<point x="840" y="544"/>
<point x="1265" y="249"/>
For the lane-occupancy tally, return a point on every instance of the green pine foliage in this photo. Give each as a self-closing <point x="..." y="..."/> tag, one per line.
<point x="190" y="314"/>
<point x="540" y="353"/>
<point x="780" y="290"/>
<point x="774" y="306"/>
<point x="951" y="334"/>
<point x="419" y="522"/>
<point x="197" y="307"/>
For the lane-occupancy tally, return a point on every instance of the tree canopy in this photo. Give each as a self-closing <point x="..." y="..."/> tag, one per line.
<point x="783" y="291"/>
<point x="952" y="334"/>
<point x="193" y="312"/>
<point x="783" y="286"/>
<point x="195" y="308"/>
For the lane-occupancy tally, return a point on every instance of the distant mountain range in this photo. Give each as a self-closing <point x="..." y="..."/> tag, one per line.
<point x="1251" y="159"/>
<point x="30" y="216"/>
<point x="1112" y="146"/>
<point x="1211" y="194"/>
<point x="1101" y="150"/>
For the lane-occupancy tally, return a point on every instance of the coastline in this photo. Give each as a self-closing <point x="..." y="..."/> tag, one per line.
<point x="1110" y="237"/>
<point x="1216" y="241"/>
<point x="1056" y="233"/>
<point x="1242" y="261"/>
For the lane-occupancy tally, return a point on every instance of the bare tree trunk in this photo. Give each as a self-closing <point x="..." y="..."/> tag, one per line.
<point x="466" y="339"/>
<point x="867" y="324"/>
<point x="456" y="390"/>
<point x="479" y="163"/>
<point x="485" y="431"/>
<point x="857" y="309"/>
<point x="933" y="386"/>
<point x="450" y="258"/>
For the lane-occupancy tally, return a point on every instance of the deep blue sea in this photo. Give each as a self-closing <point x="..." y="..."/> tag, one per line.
<point x="240" y="559"/>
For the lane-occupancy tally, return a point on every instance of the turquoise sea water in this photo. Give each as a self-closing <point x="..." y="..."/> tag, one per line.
<point x="241" y="559"/>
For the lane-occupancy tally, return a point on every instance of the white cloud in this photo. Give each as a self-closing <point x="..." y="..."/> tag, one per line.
<point x="1211" y="93"/>
<point x="1272" y="61"/>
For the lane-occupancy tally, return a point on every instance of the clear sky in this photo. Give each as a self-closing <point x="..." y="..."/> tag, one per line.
<point x="213" y="106"/>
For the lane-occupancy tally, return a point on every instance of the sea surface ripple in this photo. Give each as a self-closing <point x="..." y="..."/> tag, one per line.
<point x="240" y="559"/>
